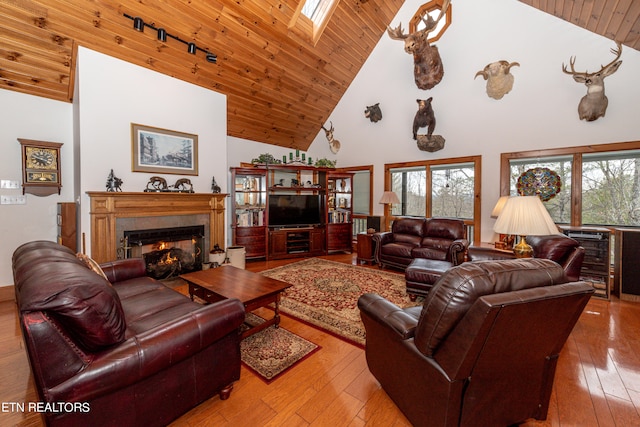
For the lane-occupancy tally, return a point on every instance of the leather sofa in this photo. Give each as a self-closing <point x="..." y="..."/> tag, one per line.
<point x="482" y="350"/>
<point x="441" y="239"/>
<point x="120" y="349"/>
<point x="557" y="247"/>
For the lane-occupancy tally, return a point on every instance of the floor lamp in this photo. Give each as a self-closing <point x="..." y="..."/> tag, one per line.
<point x="525" y="216"/>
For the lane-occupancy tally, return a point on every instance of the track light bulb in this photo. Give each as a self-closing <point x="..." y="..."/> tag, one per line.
<point x="162" y="34"/>
<point x="138" y="24"/>
<point x="191" y="48"/>
<point x="211" y="57"/>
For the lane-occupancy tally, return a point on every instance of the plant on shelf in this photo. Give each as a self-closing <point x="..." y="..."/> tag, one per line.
<point x="265" y="159"/>
<point x="325" y="163"/>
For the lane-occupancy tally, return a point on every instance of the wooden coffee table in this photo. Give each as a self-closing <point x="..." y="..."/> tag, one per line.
<point x="252" y="289"/>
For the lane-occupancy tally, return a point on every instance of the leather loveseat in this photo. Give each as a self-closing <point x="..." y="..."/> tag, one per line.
<point x="483" y="348"/>
<point x="441" y="239"/>
<point x="557" y="247"/>
<point x="127" y="351"/>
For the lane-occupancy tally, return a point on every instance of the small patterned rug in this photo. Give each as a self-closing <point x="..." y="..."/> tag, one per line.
<point x="325" y="294"/>
<point x="272" y="351"/>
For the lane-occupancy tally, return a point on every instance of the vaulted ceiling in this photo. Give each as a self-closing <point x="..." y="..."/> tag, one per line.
<point x="281" y="86"/>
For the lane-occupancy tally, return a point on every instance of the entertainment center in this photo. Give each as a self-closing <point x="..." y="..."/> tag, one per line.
<point x="287" y="211"/>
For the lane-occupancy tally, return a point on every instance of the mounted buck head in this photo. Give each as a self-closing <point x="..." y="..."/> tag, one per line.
<point x="498" y="77"/>
<point x="427" y="65"/>
<point x="594" y="104"/>
<point x="334" y="144"/>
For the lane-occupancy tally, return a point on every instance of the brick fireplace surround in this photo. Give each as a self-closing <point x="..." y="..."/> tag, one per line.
<point x="107" y="207"/>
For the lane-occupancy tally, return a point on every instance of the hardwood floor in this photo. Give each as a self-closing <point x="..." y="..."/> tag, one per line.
<point x="597" y="382"/>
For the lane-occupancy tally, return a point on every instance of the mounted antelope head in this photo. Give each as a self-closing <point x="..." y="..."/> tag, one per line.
<point x="427" y="65"/>
<point x="498" y="77"/>
<point x="594" y="104"/>
<point x="334" y="144"/>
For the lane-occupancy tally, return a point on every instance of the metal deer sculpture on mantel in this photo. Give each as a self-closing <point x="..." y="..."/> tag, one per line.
<point x="594" y="104"/>
<point x="427" y="64"/>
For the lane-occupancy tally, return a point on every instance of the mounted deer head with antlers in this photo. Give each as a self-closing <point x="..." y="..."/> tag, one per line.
<point x="334" y="144"/>
<point x="427" y="65"/>
<point x="594" y="104"/>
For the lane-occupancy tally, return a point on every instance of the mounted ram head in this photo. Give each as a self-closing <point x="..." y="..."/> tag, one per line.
<point x="594" y="104"/>
<point x="427" y="65"/>
<point x="498" y="77"/>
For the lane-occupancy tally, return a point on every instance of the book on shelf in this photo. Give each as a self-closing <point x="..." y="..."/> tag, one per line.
<point x="339" y="217"/>
<point x="250" y="218"/>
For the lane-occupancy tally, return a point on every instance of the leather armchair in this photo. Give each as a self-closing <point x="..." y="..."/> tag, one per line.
<point x="482" y="350"/>
<point x="441" y="239"/>
<point x="557" y="247"/>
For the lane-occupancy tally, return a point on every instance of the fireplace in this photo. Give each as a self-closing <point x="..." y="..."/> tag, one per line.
<point x="168" y="252"/>
<point x="112" y="213"/>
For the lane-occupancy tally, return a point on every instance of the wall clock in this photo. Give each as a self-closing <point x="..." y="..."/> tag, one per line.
<point x="40" y="167"/>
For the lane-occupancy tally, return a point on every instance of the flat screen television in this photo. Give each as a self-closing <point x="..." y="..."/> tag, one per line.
<point x="294" y="210"/>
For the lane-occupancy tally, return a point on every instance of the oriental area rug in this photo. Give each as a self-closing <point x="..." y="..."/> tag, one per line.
<point x="325" y="294"/>
<point x="272" y="351"/>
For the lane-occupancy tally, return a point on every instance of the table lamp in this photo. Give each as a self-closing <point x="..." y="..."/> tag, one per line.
<point x="505" y="240"/>
<point x="389" y="197"/>
<point x="524" y="216"/>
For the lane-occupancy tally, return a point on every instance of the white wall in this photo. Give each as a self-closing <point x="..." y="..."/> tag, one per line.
<point x="96" y="132"/>
<point x="113" y="94"/>
<point x="540" y="111"/>
<point x="31" y="117"/>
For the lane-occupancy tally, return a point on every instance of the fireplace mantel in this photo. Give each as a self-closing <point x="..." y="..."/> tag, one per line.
<point x="107" y="207"/>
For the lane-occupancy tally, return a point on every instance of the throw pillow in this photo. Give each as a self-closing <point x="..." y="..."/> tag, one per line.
<point x="91" y="265"/>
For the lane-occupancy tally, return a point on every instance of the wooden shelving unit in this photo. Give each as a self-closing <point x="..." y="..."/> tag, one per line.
<point x="339" y="211"/>
<point x="257" y="229"/>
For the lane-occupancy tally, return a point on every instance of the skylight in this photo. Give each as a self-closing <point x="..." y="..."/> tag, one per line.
<point x="312" y="16"/>
<point x="310" y="7"/>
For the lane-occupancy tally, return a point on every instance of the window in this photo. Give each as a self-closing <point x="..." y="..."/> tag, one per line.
<point x="452" y="189"/>
<point x="433" y="9"/>
<point x="600" y="183"/>
<point x="311" y="18"/>
<point x="362" y="192"/>
<point x="410" y="187"/>
<point x="611" y="189"/>
<point x="559" y="207"/>
<point x="438" y="188"/>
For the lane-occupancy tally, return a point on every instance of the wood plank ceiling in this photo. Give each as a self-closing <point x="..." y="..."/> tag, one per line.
<point x="281" y="86"/>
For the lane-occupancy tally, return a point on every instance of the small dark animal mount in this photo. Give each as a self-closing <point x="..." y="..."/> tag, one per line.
<point x="425" y="117"/>
<point x="334" y="144"/>
<point x="113" y="183"/>
<point x="215" y="188"/>
<point x="156" y="184"/>
<point x="427" y="64"/>
<point x="594" y="104"/>
<point x="183" y="185"/>
<point x="373" y="113"/>
<point x="498" y="77"/>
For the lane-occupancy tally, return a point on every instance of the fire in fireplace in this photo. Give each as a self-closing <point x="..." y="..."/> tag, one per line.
<point x="168" y="252"/>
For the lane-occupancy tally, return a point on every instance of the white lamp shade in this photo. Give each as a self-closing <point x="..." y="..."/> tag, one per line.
<point x="499" y="206"/>
<point x="525" y="216"/>
<point x="389" y="197"/>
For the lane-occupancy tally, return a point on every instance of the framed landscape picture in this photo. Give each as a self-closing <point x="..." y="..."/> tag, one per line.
<point x="163" y="151"/>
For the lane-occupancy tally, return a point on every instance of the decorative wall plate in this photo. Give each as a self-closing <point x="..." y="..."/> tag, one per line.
<point x="542" y="182"/>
